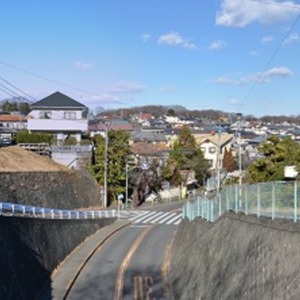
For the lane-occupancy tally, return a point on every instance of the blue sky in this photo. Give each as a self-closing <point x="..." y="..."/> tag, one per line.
<point x="231" y="55"/>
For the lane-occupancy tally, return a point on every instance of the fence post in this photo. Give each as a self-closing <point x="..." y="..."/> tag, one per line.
<point x="246" y="201"/>
<point x="212" y="210"/>
<point x="43" y="212"/>
<point x="236" y="198"/>
<point x="33" y="211"/>
<point x="220" y="204"/>
<point x="198" y="207"/>
<point x="273" y="200"/>
<point x="228" y="192"/>
<point x="13" y="209"/>
<point x="52" y="214"/>
<point x="258" y="200"/>
<point x="295" y="201"/>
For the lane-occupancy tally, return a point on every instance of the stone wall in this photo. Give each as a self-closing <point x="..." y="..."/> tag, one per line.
<point x="30" y="249"/>
<point x="237" y="257"/>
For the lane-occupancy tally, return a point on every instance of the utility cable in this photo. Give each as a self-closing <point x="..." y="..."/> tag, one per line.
<point x="269" y="62"/>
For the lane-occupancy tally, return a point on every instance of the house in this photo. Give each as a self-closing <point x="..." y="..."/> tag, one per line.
<point x="100" y="128"/>
<point x="13" y="121"/>
<point x="210" y="144"/>
<point x="59" y="115"/>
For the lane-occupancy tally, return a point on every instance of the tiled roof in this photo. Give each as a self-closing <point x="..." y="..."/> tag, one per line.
<point x="214" y="138"/>
<point x="101" y="127"/>
<point x="11" y="118"/>
<point x="58" y="100"/>
<point x="144" y="148"/>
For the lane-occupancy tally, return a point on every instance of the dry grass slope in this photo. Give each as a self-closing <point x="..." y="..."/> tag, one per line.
<point x="16" y="159"/>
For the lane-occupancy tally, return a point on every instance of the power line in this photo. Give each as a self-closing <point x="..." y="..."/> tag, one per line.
<point x="16" y="88"/>
<point x="269" y="61"/>
<point x="47" y="79"/>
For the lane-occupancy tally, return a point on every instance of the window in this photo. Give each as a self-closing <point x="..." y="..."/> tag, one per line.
<point x="212" y="150"/>
<point x="45" y="114"/>
<point x="203" y="149"/>
<point x="70" y="115"/>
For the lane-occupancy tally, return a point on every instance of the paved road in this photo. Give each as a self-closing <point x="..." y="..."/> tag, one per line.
<point x="132" y="263"/>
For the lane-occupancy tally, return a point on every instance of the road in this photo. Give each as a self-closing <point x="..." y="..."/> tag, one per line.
<point x="133" y="262"/>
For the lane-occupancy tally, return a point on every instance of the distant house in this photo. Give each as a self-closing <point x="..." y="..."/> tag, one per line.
<point x="143" y="118"/>
<point x="13" y="122"/>
<point x="210" y="145"/>
<point x="100" y="128"/>
<point x="60" y="116"/>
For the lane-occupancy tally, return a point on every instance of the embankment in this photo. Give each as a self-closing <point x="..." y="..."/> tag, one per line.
<point x="56" y="189"/>
<point x="237" y="257"/>
<point x="30" y="249"/>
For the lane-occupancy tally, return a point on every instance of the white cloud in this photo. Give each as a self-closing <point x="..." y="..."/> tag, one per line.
<point x="216" y="45"/>
<point x="234" y="101"/>
<point x="224" y="80"/>
<point x="167" y="89"/>
<point x="267" y="39"/>
<point x="126" y="87"/>
<point x="263" y="77"/>
<point x="146" y="37"/>
<point x="240" y="13"/>
<point x="294" y="37"/>
<point x="83" y="65"/>
<point x="174" y="39"/>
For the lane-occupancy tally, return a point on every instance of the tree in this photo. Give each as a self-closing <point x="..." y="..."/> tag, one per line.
<point x="185" y="155"/>
<point x="276" y="155"/>
<point x="118" y="151"/>
<point x="228" y="161"/>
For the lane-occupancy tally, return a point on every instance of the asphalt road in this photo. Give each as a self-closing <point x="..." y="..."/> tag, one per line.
<point x="133" y="262"/>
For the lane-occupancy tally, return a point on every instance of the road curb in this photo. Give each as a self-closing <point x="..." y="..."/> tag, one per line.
<point x="67" y="273"/>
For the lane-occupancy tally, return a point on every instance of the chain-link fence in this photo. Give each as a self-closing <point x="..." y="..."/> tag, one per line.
<point x="272" y="199"/>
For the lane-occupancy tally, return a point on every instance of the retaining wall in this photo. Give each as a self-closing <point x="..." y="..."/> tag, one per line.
<point x="237" y="257"/>
<point x="30" y="249"/>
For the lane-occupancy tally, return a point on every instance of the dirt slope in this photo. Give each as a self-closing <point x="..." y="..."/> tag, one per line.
<point x="16" y="159"/>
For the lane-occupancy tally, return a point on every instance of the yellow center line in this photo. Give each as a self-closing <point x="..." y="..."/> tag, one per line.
<point x="119" y="286"/>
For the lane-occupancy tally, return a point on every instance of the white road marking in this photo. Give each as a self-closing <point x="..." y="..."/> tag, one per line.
<point x="174" y="219"/>
<point x="143" y="217"/>
<point x="152" y="217"/>
<point x="167" y="218"/>
<point x="160" y="217"/>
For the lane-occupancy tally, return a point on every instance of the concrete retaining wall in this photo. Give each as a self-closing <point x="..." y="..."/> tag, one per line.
<point x="238" y="257"/>
<point x="30" y="249"/>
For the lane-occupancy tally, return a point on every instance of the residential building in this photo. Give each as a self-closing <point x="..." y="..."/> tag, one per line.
<point x="60" y="116"/>
<point x="210" y="145"/>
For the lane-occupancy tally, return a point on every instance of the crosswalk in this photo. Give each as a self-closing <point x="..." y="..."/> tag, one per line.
<point x="157" y="217"/>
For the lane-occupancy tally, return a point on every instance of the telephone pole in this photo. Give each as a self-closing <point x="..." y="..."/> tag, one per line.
<point x="105" y="167"/>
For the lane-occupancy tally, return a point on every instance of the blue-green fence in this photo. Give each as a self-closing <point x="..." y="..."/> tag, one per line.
<point x="272" y="199"/>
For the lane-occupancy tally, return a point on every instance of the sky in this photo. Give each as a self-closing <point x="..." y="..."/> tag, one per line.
<point x="238" y="56"/>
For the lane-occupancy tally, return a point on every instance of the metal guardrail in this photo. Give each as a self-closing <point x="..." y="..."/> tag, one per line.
<point x="18" y="210"/>
<point x="271" y="199"/>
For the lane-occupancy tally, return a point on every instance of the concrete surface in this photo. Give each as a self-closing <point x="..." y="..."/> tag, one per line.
<point x="237" y="257"/>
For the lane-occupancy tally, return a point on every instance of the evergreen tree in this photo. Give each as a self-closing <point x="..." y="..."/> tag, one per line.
<point x="276" y="155"/>
<point x="185" y="155"/>
<point x="118" y="151"/>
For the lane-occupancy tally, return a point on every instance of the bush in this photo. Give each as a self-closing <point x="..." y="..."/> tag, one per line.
<point x="25" y="136"/>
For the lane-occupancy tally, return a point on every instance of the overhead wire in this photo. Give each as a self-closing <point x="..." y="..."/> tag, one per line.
<point x="269" y="61"/>
<point x="16" y="88"/>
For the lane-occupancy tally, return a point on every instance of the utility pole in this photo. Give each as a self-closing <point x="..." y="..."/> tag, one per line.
<point x="239" y="115"/>
<point x="218" y="160"/>
<point x="105" y="167"/>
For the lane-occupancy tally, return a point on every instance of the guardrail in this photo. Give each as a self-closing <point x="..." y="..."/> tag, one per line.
<point x="18" y="210"/>
<point x="271" y="199"/>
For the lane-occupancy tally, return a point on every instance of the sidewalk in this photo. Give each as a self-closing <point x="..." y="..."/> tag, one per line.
<point x="63" y="277"/>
